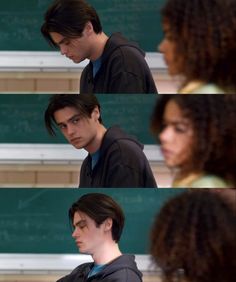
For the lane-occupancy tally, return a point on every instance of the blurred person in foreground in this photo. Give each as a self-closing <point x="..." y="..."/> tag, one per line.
<point x="193" y="238"/>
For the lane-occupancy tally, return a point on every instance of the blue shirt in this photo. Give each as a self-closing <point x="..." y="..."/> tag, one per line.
<point x="96" y="269"/>
<point x="96" y="66"/>
<point x="95" y="157"/>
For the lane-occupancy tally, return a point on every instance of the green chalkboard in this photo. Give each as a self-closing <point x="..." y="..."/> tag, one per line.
<point x="22" y="117"/>
<point x="21" y="20"/>
<point x="36" y="220"/>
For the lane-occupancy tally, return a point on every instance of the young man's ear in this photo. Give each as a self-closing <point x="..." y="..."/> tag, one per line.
<point x="88" y="29"/>
<point x="96" y="114"/>
<point x="108" y="224"/>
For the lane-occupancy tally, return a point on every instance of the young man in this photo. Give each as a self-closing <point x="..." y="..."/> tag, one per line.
<point x="114" y="160"/>
<point x="98" y="223"/>
<point x="116" y="65"/>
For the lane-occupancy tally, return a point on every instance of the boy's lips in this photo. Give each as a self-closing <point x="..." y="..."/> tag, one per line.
<point x="76" y="139"/>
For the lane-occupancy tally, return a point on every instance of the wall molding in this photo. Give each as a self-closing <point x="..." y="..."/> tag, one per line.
<point x="45" y="61"/>
<point x="46" y="263"/>
<point x="56" y="153"/>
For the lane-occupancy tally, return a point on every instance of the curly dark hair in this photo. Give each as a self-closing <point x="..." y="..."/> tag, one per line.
<point x="193" y="238"/>
<point x="204" y="32"/>
<point x="213" y="119"/>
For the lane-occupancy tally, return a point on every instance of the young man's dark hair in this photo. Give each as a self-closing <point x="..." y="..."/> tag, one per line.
<point x="84" y="103"/>
<point x="99" y="207"/>
<point x="116" y="64"/>
<point x="69" y="17"/>
<point x="98" y="223"/>
<point x="114" y="158"/>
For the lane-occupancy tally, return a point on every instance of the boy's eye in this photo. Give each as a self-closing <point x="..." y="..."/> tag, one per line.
<point x="67" y="42"/>
<point x="62" y="126"/>
<point x="81" y="225"/>
<point x="75" y="120"/>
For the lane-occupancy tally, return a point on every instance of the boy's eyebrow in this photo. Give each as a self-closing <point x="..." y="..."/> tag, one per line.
<point x="61" y="41"/>
<point x="69" y="120"/>
<point x="73" y="117"/>
<point x="82" y="221"/>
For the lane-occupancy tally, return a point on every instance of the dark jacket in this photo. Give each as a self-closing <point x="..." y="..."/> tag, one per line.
<point x="122" y="269"/>
<point x="122" y="163"/>
<point x="123" y="70"/>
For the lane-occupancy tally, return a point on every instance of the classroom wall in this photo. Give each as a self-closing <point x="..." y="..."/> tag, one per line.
<point x="147" y="277"/>
<point x="58" y="175"/>
<point x="32" y="176"/>
<point x="66" y="82"/>
<point x="55" y="174"/>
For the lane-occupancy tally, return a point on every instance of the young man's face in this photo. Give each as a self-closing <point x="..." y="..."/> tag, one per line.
<point x="80" y="131"/>
<point x="77" y="49"/>
<point x="88" y="237"/>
